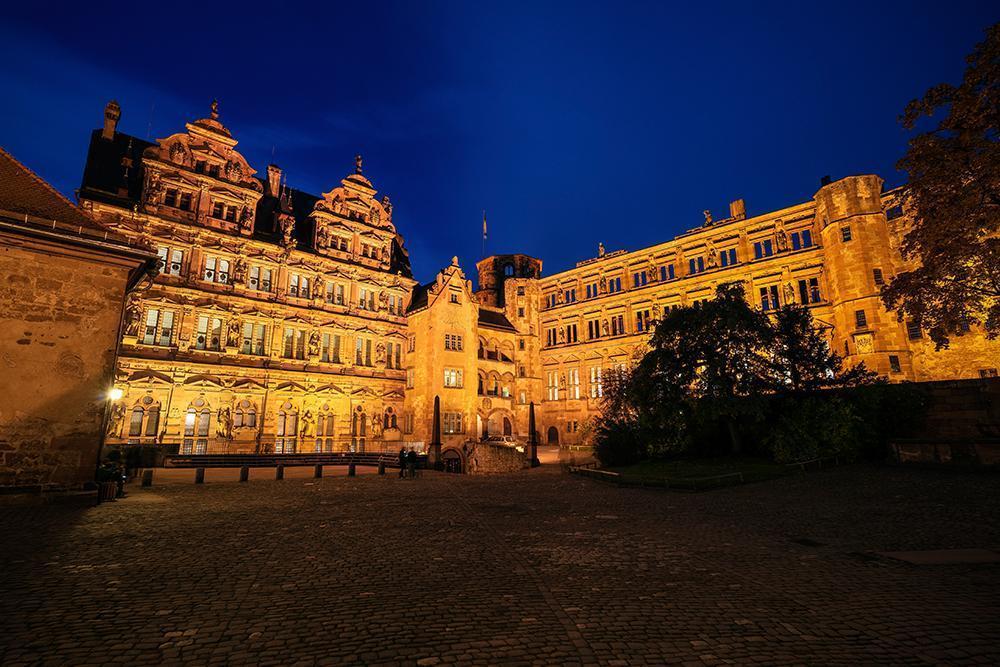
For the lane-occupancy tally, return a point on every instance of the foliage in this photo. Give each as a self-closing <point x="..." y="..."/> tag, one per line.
<point x="953" y="192"/>
<point x="619" y="442"/>
<point x="812" y="427"/>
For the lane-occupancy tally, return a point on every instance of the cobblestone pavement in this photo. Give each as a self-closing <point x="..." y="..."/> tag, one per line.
<point x="538" y="567"/>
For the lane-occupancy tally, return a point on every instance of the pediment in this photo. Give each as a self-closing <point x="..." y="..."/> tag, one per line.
<point x="293" y="386"/>
<point x="248" y="383"/>
<point x="204" y="380"/>
<point x="147" y="376"/>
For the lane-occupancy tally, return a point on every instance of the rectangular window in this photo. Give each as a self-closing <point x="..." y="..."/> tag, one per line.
<point x="366" y="299"/>
<point x="170" y="198"/>
<point x="769" y="298"/>
<point x="666" y="272"/>
<point x="411" y="343"/>
<point x="298" y="286"/>
<point x="894" y="364"/>
<point x="878" y="277"/>
<point x="294" y="344"/>
<point x="573" y="383"/>
<point x="801" y="239"/>
<point x="642" y="321"/>
<point x="860" y="319"/>
<point x="170" y="261"/>
<point x="362" y="352"/>
<point x="845" y="233"/>
<point x="593" y="329"/>
<point x="453" y="342"/>
<point x="453" y="377"/>
<point x="638" y="279"/>
<point x="260" y="279"/>
<point x="407" y="422"/>
<point x="696" y="265"/>
<point x="571" y="333"/>
<point x="331" y="348"/>
<point x="159" y="327"/>
<point x="614" y="285"/>
<point x="451" y="422"/>
<point x="913" y="330"/>
<point x="617" y="325"/>
<point x="809" y="291"/>
<point x="209" y="336"/>
<point x="570" y="295"/>
<point x="894" y="212"/>
<point x="218" y="209"/>
<point x="185" y="201"/>
<point x="596" y="385"/>
<point x="552" y="385"/>
<point x="409" y="378"/>
<point x="762" y="249"/>
<point x="727" y="257"/>
<point x="591" y="290"/>
<point x="253" y="339"/>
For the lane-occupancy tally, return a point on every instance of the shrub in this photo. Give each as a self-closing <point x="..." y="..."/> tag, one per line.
<point x="618" y="442"/>
<point x="812" y="427"/>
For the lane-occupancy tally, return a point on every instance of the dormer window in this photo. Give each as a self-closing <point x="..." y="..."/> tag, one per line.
<point x="199" y="167"/>
<point x="185" y="201"/>
<point x="170" y="198"/>
<point x="218" y="210"/>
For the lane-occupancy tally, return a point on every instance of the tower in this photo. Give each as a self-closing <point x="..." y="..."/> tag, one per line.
<point x="496" y="270"/>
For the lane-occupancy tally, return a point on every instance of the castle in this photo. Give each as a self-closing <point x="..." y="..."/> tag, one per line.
<point x="283" y="321"/>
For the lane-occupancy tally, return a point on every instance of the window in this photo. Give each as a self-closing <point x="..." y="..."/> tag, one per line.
<point x="454" y="297"/>
<point x="362" y="352"/>
<point x="801" y="239"/>
<point x="331" y="348"/>
<point x="727" y="257"/>
<point x="286" y="430"/>
<point x="298" y="286"/>
<point x="521" y="371"/>
<point x="809" y="291"/>
<point x="409" y="378"/>
<point x="894" y="364"/>
<point x="617" y="325"/>
<point x="294" y="346"/>
<point x="591" y="290"/>
<point x="593" y="329"/>
<point x="366" y="299"/>
<point x="860" y="319"/>
<point x="769" y="298"/>
<point x="987" y="373"/>
<point x="260" y="279"/>
<point x="253" y="338"/>
<point x="573" y="383"/>
<point x="638" y="279"/>
<point x="520" y="343"/>
<point x="394" y="355"/>
<point x="325" y="430"/>
<point x="520" y="311"/>
<point x="185" y="202"/>
<point x="451" y="422"/>
<point x="667" y="272"/>
<point x="763" y="249"/>
<point x="696" y="265"/>
<point x="894" y="212"/>
<point x="913" y="330"/>
<point x="196" y="423"/>
<point x="572" y="426"/>
<point x="218" y="209"/>
<point x="170" y="198"/>
<point x="408" y="422"/>
<point x="395" y="304"/>
<point x="552" y="385"/>
<point x="845" y="233"/>
<point x="209" y="336"/>
<point x="245" y="415"/>
<point x="550" y="337"/>
<point x="614" y="285"/>
<point x="522" y="397"/>
<point x="411" y="343"/>
<point x="453" y="377"/>
<point x="642" y="321"/>
<point x="453" y="342"/>
<point x="571" y="333"/>
<point x="596" y="385"/>
<point x="520" y="290"/>
<point x="216" y="270"/>
<point x="171" y="261"/>
<point x="359" y="430"/>
<point x="569" y="296"/>
<point x="878" y="277"/>
<point x="199" y="166"/>
<point x="159" y="327"/>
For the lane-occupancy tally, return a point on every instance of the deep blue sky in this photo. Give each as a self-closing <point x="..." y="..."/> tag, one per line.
<point x="570" y="123"/>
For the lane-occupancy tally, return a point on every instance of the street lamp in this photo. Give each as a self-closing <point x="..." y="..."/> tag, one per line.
<point x="115" y="393"/>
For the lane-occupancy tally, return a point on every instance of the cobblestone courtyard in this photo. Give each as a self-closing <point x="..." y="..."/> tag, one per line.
<point x="538" y="567"/>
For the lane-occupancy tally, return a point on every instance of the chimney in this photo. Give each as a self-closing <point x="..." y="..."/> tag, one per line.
<point x="273" y="180"/>
<point x="738" y="209"/>
<point x="824" y="181"/>
<point x="112" y="112"/>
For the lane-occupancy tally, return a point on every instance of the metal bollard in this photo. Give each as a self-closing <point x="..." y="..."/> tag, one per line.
<point x="351" y="470"/>
<point x="318" y="472"/>
<point x="199" y="475"/>
<point x="381" y="467"/>
<point x="279" y="472"/>
<point x="147" y="477"/>
<point x="244" y="473"/>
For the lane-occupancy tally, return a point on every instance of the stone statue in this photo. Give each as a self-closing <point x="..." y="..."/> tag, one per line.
<point x="604" y="284"/>
<point x="559" y="296"/>
<point x="605" y="328"/>
<point x="789" y="292"/>
<point x="154" y="188"/>
<point x="383" y="301"/>
<point x="380" y="353"/>
<point x="708" y="217"/>
<point x="600" y="250"/>
<point x="780" y="235"/>
<point x="317" y="286"/>
<point x="246" y="219"/>
<point x="357" y="164"/>
<point x="224" y="429"/>
<point x="233" y="333"/>
<point x="307" y="428"/>
<point x="375" y="215"/>
<point x="215" y="109"/>
<point x="287" y="224"/>
<point x="178" y="153"/>
<point x="239" y="270"/>
<point x="713" y="255"/>
<point x="133" y="315"/>
<point x="376" y="426"/>
<point x="323" y="237"/>
<point x="387" y="205"/>
<point x="656" y="311"/>
<point x="651" y="270"/>
<point x="115" y="420"/>
<point x="562" y="335"/>
<point x="314" y="344"/>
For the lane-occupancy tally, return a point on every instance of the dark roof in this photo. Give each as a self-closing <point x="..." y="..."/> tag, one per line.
<point x="22" y="191"/>
<point x="418" y="299"/>
<point x="491" y="318"/>
<point x="114" y="175"/>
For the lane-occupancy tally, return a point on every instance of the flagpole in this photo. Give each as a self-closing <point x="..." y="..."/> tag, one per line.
<point x="484" y="233"/>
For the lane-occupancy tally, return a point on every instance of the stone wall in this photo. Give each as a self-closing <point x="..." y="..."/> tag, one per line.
<point x="962" y="409"/>
<point x="488" y="459"/>
<point x="61" y="310"/>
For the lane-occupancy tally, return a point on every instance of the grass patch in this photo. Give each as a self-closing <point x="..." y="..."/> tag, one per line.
<point x="753" y="470"/>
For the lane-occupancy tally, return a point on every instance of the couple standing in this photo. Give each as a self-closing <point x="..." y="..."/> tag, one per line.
<point x="407" y="462"/>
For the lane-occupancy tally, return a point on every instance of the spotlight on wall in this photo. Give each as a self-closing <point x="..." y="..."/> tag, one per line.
<point x="115" y="393"/>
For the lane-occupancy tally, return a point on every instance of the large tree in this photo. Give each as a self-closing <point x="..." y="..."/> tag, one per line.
<point x="953" y="192"/>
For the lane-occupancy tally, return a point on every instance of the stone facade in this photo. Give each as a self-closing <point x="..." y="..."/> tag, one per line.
<point x="289" y="322"/>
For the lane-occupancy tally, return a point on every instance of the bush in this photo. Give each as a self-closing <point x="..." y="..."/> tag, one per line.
<point x="812" y="427"/>
<point x="619" y="443"/>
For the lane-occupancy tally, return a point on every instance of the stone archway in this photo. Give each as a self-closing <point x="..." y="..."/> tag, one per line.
<point x="552" y="436"/>
<point x="508" y="428"/>
<point x="453" y="461"/>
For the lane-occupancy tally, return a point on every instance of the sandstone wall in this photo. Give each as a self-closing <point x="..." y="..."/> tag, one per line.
<point x="489" y="459"/>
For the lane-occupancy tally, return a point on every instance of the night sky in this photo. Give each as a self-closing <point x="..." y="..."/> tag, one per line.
<point x="570" y="123"/>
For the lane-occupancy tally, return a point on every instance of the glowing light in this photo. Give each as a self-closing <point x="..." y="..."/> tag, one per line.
<point x="115" y="393"/>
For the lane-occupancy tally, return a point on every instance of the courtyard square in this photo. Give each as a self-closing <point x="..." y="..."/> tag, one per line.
<point x="538" y="567"/>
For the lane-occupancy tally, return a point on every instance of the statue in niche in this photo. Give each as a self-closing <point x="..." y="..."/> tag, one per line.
<point x="233" y="333"/>
<point x="154" y="188"/>
<point x="307" y="428"/>
<point x="789" y="290"/>
<point x="605" y="328"/>
<point x="246" y="219"/>
<point x="133" y="315"/>
<point x="559" y="296"/>
<point x="780" y="235"/>
<point x="224" y="428"/>
<point x="562" y="335"/>
<point x="239" y="270"/>
<point x="115" y="420"/>
<point x="317" y="286"/>
<point x="323" y="235"/>
<point x="713" y="255"/>
<point x="287" y="225"/>
<point x="383" y="301"/>
<point x="314" y="344"/>
<point x="178" y="153"/>
<point x="651" y="270"/>
<point x="387" y="205"/>
<point x="234" y="171"/>
<point x="656" y="311"/>
<point x="374" y="215"/>
<point x="708" y="217"/>
<point x="604" y="284"/>
<point x="380" y="353"/>
<point x="376" y="426"/>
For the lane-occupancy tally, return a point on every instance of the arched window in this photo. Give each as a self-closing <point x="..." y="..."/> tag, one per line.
<point x="324" y="430"/>
<point x="245" y="415"/>
<point x="508" y="270"/>
<point x="286" y="429"/>
<point x="135" y="423"/>
<point x="196" y="424"/>
<point x="389" y="419"/>
<point x="359" y="429"/>
<point x="152" y="421"/>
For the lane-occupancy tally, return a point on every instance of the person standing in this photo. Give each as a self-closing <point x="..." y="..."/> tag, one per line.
<point x="402" y="462"/>
<point x="411" y="463"/>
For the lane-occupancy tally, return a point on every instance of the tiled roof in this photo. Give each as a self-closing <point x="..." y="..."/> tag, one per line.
<point x="491" y="318"/>
<point x="22" y="191"/>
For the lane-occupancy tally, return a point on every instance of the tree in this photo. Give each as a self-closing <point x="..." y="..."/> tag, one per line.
<point x="954" y="195"/>
<point x="801" y="358"/>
